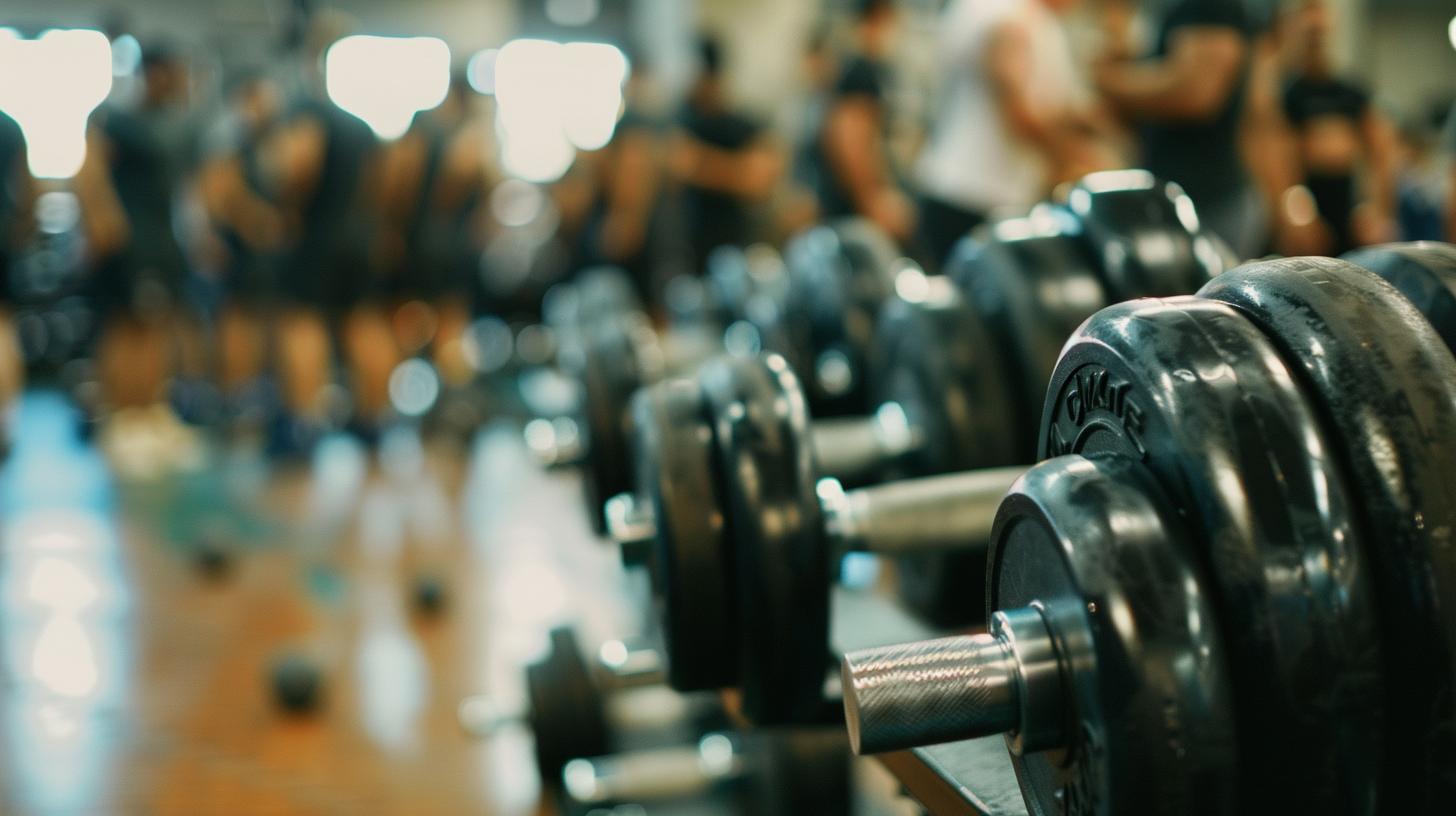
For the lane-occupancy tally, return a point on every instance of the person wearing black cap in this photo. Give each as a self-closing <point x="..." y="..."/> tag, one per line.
<point x="857" y="177"/>
<point x="723" y="160"/>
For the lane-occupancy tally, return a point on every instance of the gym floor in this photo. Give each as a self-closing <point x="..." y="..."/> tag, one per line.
<point x="137" y="669"/>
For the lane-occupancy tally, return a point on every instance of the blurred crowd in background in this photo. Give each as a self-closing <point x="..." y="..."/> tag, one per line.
<point x="250" y="250"/>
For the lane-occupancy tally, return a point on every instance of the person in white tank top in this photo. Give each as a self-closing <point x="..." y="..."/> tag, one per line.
<point x="1010" y="119"/>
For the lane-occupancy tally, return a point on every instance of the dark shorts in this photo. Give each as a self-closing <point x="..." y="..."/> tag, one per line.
<point x="137" y="284"/>
<point x="1334" y="196"/>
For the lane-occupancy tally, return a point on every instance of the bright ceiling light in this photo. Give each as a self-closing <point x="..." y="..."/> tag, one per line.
<point x="554" y="99"/>
<point x="67" y="74"/>
<point x="1451" y="32"/>
<point x="387" y="80"/>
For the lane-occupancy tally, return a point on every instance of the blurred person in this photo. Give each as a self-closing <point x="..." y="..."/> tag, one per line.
<point x="16" y="194"/>
<point x="724" y="161"/>
<point x="1187" y="99"/>
<point x="856" y="175"/>
<point x="1420" y="190"/>
<point x="236" y="192"/>
<point x="622" y="222"/>
<point x="433" y="182"/>
<point x="819" y="68"/>
<point x="136" y="160"/>
<point x="1339" y="137"/>
<point x="329" y="284"/>
<point x="1014" y="119"/>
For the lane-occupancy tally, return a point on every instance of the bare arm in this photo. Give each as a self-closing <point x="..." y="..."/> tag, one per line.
<point x="1192" y="82"/>
<point x="854" y="146"/>
<point x="631" y="192"/>
<point x="750" y="173"/>
<point x="102" y="216"/>
<point x="1382" y="160"/>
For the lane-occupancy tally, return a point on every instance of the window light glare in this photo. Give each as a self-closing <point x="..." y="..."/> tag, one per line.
<point x="68" y="73"/>
<point x="387" y="80"/>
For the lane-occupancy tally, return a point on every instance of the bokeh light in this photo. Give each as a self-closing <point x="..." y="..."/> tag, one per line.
<point x="67" y="74"/>
<point x="387" y="80"/>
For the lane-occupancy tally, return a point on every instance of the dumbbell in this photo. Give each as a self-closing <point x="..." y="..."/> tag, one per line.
<point x="1230" y="586"/>
<point x="575" y="706"/>
<point x="764" y="772"/>
<point x="611" y="357"/>
<point x="839" y="275"/>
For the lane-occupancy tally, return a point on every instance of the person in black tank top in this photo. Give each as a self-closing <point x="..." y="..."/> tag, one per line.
<point x="1339" y="138"/>
<point x="136" y="161"/>
<point x="854" y="173"/>
<point x="1186" y="98"/>
<point x="238" y="196"/>
<point x="723" y="161"/>
<point x="433" y="187"/>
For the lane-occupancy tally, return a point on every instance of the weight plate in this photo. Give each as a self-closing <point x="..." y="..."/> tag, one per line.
<point x="608" y="370"/>
<point x="1197" y="393"/>
<point x="691" y="571"/>
<point x="1387" y="385"/>
<point x="803" y="770"/>
<point x="936" y="360"/>
<point x="1095" y="547"/>
<point x="782" y="559"/>
<point x="839" y="275"/>
<point x="1143" y="233"/>
<point x="1033" y="286"/>
<point x="1425" y="272"/>
<point x="567" y="713"/>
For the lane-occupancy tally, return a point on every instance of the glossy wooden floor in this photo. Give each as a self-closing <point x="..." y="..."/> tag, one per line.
<point x="135" y="684"/>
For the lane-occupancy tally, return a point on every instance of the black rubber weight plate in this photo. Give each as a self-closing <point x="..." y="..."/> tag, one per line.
<point x="1033" y="290"/>
<point x="1388" y="385"/>
<point x="767" y="479"/>
<point x="1094" y="543"/>
<point x="609" y="376"/>
<point x="691" y="571"/>
<point x="1197" y="393"/>
<point x="1142" y="232"/>
<point x="937" y="361"/>
<point x="1425" y="273"/>
<point x="567" y="714"/>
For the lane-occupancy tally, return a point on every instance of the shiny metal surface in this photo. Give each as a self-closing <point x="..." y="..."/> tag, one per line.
<point x="931" y="514"/>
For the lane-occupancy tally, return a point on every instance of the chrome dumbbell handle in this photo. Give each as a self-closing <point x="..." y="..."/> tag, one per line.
<point x="631" y="526"/>
<point x="653" y="774"/>
<point x="555" y="443"/>
<point x="856" y="448"/>
<point x="956" y="688"/>
<point x="935" y="513"/>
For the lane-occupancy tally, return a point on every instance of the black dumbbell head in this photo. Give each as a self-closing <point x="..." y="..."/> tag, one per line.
<point x="1199" y="395"/>
<point x="1386" y="383"/>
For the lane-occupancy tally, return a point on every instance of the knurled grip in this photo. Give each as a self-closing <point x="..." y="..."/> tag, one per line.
<point x="932" y="691"/>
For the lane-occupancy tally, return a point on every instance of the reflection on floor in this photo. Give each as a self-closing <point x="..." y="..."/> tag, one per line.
<point x="135" y="667"/>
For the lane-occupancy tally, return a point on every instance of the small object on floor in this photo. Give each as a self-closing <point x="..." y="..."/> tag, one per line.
<point x="429" y="595"/>
<point x="297" y="684"/>
<point x="212" y="557"/>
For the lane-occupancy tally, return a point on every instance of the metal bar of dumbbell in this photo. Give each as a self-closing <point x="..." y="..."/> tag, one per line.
<point x="654" y="774"/>
<point x="930" y="514"/>
<point x="855" y="448"/>
<point x="957" y="688"/>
